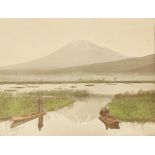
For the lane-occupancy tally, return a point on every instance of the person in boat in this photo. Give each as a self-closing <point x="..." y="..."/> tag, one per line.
<point x="105" y="111"/>
<point x="40" y="105"/>
<point x="40" y="109"/>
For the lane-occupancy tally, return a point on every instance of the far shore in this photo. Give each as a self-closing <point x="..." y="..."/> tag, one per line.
<point x="77" y="81"/>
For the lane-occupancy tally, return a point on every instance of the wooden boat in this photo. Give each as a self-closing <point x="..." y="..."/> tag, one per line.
<point x="4" y="119"/>
<point x="25" y="118"/>
<point x="110" y="122"/>
<point x="89" y="85"/>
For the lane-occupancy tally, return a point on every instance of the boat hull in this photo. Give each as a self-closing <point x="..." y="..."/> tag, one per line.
<point x="25" y="118"/>
<point x="110" y="122"/>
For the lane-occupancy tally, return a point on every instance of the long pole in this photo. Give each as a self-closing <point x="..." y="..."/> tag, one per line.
<point x="154" y="38"/>
<point x="154" y="42"/>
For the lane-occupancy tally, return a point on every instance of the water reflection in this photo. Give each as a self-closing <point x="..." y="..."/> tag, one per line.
<point x="56" y="124"/>
<point x="40" y="123"/>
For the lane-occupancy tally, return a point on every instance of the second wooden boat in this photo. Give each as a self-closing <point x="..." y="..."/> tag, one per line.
<point x="110" y="122"/>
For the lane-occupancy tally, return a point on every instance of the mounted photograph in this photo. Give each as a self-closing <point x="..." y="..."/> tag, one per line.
<point x="77" y="77"/>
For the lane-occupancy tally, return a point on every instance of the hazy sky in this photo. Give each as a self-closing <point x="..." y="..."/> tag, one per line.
<point x="27" y="39"/>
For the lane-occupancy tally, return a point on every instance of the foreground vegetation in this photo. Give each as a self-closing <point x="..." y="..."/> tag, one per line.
<point x="132" y="107"/>
<point x="24" y="103"/>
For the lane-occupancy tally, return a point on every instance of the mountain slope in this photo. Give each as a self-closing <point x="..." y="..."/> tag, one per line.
<point x="144" y="69"/>
<point x="139" y="64"/>
<point x="75" y="53"/>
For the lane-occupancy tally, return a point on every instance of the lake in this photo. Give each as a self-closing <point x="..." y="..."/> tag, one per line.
<point x="95" y="88"/>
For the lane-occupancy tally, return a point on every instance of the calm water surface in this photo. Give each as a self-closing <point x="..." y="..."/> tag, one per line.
<point x="97" y="88"/>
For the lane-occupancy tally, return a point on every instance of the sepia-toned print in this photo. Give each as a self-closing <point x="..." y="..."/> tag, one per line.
<point x="77" y="77"/>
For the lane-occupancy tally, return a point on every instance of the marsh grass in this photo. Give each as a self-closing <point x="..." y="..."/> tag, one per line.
<point x="139" y="107"/>
<point x="62" y="93"/>
<point x="24" y="103"/>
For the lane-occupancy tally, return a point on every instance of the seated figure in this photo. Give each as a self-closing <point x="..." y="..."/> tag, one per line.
<point x="105" y="111"/>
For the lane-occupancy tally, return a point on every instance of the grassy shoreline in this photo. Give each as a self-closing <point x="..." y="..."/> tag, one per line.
<point x="24" y="103"/>
<point x="132" y="107"/>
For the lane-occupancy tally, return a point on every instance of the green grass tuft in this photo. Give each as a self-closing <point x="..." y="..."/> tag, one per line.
<point x="24" y="103"/>
<point x="139" y="107"/>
